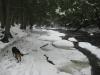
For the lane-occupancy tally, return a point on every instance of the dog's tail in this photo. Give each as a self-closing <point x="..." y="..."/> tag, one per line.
<point x="22" y="54"/>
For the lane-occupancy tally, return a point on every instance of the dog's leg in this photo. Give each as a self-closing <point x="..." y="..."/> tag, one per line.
<point x="13" y="54"/>
<point x="20" y="58"/>
<point x="16" y="56"/>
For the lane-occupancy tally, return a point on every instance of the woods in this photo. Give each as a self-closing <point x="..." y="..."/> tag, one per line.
<point x="67" y="13"/>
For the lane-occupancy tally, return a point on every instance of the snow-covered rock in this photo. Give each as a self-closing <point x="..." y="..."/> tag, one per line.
<point x="72" y="39"/>
<point x="85" y="45"/>
<point x="64" y="44"/>
<point x="91" y="34"/>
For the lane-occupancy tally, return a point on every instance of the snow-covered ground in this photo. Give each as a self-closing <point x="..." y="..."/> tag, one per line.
<point x="17" y="34"/>
<point x="67" y="60"/>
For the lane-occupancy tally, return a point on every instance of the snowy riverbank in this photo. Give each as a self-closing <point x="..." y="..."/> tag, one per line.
<point x="67" y="60"/>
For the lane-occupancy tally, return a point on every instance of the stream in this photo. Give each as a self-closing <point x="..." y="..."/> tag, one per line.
<point x="81" y="36"/>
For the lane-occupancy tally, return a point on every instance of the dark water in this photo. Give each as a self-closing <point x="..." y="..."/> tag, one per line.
<point x="81" y="36"/>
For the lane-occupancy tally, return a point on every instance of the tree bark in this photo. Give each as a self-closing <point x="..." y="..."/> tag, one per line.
<point x="6" y="21"/>
<point x="3" y="12"/>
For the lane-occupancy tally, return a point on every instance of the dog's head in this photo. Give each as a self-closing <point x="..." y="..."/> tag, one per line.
<point x="13" y="48"/>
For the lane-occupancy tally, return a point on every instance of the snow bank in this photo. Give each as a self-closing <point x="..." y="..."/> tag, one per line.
<point x="51" y="35"/>
<point x="16" y="31"/>
<point x="40" y="31"/>
<point x="55" y="33"/>
<point x="91" y="48"/>
<point x="35" y="63"/>
<point x="18" y="35"/>
<point x="63" y="73"/>
<point x="86" y="71"/>
<point x="74" y="68"/>
<point x="65" y="44"/>
<point x="50" y="38"/>
<point x="2" y="45"/>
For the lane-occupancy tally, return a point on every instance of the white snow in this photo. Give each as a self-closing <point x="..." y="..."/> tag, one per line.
<point x="86" y="71"/>
<point x="91" y="34"/>
<point x="16" y="31"/>
<point x="65" y="44"/>
<point x="2" y="45"/>
<point x="63" y="73"/>
<point x="55" y="33"/>
<point x="50" y="38"/>
<point x="67" y="60"/>
<point x="95" y="50"/>
<point x="72" y="39"/>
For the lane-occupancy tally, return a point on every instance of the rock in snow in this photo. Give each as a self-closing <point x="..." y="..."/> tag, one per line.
<point x="65" y="44"/>
<point x="72" y="39"/>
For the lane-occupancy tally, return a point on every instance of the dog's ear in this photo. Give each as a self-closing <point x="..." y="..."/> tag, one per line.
<point x="12" y="48"/>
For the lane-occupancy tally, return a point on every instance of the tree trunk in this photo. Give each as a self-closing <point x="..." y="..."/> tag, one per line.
<point x="6" y="21"/>
<point x="78" y="28"/>
<point x="3" y="12"/>
<point x="23" y="23"/>
<point x="12" y="20"/>
<point x="30" y="22"/>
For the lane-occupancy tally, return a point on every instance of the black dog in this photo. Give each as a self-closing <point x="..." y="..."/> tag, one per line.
<point x="17" y="54"/>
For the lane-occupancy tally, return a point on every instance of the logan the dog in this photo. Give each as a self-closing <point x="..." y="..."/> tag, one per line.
<point x="17" y="54"/>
